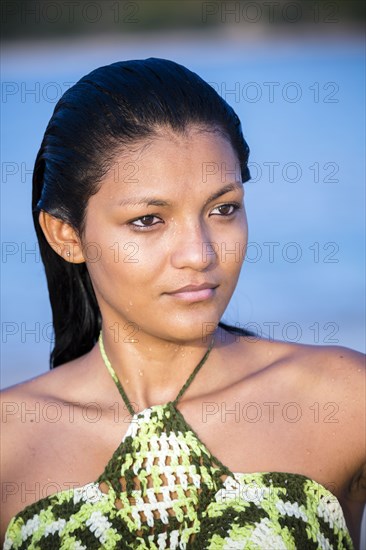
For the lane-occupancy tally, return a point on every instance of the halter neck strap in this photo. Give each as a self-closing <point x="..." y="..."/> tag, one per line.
<point x="120" y="387"/>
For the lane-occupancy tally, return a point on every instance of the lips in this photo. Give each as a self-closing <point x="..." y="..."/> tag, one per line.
<point x="193" y="288"/>
<point x="194" y="293"/>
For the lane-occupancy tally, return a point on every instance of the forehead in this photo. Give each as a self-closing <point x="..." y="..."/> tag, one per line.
<point x="173" y="163"/>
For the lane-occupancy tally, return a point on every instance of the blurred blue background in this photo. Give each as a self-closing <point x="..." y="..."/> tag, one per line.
<point x="300" y="94"/>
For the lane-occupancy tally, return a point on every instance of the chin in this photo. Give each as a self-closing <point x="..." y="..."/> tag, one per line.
<point x="197" y="326"/>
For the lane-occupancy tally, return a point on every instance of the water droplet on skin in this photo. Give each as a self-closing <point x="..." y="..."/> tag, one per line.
<point x="182" y="354"/>
<point x="308" y="451"/>
<point x="127" y="380"/>
<point x="332" y="379"/>
<point x="141" y="373"/>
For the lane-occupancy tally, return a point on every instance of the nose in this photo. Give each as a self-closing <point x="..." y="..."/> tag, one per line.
<point x="192" y="247"/>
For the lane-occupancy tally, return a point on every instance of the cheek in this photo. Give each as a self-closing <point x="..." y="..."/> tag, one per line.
<point x="123" y="270"/>
<point x="232" y="246"/>
<point x="107" y="255"/>
<point x="119" y="286"/>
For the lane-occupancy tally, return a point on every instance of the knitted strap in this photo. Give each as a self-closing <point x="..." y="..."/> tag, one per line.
<point x="197" y="368"/>
<point x="120" y="387"/>
<point x="114" y="375"/>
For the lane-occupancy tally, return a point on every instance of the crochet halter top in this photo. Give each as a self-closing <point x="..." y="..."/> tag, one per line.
<point x="162" y="488"/>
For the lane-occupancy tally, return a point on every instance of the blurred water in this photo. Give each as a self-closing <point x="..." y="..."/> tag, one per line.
<point x="302" y="109"/>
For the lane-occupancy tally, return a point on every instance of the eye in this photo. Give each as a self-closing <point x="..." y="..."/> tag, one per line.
<point x="145" y="222"/>
<point x="226" y="209"/>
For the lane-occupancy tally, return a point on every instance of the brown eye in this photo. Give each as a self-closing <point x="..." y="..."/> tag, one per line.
<point x="225" y="209"/>
<point x="145" y="222"/>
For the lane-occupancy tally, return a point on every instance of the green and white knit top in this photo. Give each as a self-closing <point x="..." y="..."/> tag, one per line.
<point x="163" y="488"/>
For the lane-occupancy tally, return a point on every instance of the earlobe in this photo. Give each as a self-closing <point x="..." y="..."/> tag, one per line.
<point x="61" y="237"/>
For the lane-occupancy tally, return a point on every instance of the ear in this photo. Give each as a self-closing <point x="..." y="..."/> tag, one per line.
<point x="62" y="237"/>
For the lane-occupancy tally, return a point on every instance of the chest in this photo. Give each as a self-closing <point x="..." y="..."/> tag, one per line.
<point x="272" y="433"/>
<point x="163" y="473"/>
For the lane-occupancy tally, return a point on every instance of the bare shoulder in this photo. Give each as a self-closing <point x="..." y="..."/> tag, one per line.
<point x="23" y="430"/>
<point x="28" y="408"/>
<point x="24" y="409"/>
<point x="20" y="402"/>
<point x="64" y="383"/>
<point x="331" y="359"/>
<point x="37" y="432"/>
<point x="332" y="370"/>
<point x="321" y="370"/>
<point x="334" y="374"/>
<point x="329" y="374"/>
<point x="30" y="411"/>
<point x="331" y="381"/>
<point x="340" y="369"/>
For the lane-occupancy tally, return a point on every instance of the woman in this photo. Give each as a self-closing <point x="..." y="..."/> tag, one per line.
<point x="162" y="427"/>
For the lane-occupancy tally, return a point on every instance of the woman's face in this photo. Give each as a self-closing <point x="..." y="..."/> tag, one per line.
<point x="168" y="215"/>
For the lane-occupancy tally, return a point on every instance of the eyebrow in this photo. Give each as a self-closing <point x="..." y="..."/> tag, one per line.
<point x="151" y="201"/>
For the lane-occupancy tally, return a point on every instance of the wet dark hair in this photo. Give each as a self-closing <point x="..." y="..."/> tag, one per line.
<point x="113" y="106"/>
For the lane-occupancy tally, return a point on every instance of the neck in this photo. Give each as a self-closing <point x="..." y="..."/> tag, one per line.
<point x="151" y="370"/>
